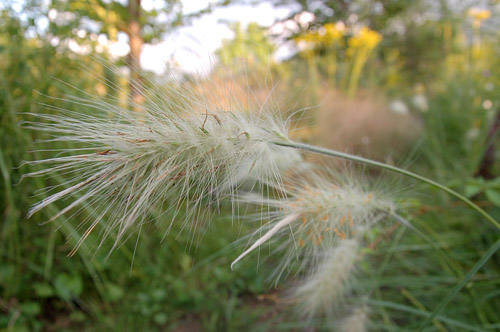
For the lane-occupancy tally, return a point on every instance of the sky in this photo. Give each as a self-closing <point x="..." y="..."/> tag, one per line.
<point x="191" y="47"/>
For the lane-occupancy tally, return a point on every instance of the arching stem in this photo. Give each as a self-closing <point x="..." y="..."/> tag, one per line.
<point x="333" y="153"/>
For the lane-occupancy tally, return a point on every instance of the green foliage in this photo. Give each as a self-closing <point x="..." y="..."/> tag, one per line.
<point x="248" y="55"/>
<point x="490" y="188"/>
<point x="150" y="284"/>
<point x="112" y="17"/>
<point x="143" y="287"/>
<point x="251" y="45"/>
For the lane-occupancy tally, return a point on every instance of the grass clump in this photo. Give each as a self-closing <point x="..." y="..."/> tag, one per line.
<point x="173" y="158"/>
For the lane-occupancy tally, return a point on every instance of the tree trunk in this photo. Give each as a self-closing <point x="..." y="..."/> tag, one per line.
<point x="133" y="61"/>
<point x="485" y="169"/>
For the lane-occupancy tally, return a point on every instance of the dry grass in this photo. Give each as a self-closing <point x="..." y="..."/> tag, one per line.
<point x="364" y="125"/>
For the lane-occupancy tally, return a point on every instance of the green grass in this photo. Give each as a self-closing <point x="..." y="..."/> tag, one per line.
<point x="150" y="284"/>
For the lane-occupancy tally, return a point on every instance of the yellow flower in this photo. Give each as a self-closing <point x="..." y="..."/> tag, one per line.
<point x="478" y="16"/>
<point x="333" y="34"/>
<point x="366" y="38"/>
<point x="326" y="36"/>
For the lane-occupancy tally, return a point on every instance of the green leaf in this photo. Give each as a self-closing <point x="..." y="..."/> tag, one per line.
<point x="43" y="290"/>
<point x="31" y="308"/>
<point x="68" y="286"/>
<point x="473" y="187"/>
<point x="158" y="294"/>
<point x="113" y="292"/>
<point x="160" y="318"/>
<point x="77" y="316"/>
<point x="493" y="196"/>
<point x="186" y="262"/>
<point x="495" y="182"/>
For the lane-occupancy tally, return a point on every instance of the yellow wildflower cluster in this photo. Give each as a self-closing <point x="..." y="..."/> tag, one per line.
<point x="360" y="46"/>
<point x="329" y="44"/>
<point x="332" y="34"/>
<point x="478" y="16"/>
<point x="328" y="35"/>
<point x="365" y="39"/>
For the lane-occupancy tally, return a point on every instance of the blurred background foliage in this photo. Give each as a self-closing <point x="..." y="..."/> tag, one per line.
<point x="406" y="82"/>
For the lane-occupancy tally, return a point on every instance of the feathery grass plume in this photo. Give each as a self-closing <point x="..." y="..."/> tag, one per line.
<point x="356" y="321"/>
<point x="318" y="227"/>
<point x="321" y="290"/>
<point x="315" y="216"/>
<point x="182" y="149"/>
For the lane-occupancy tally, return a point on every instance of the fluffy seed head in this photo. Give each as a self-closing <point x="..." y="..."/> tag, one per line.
<point x="315" y="216"/>
<point x="179" y="151"/>
<point x="329" y="280"/>
<point x="356" y="321"/>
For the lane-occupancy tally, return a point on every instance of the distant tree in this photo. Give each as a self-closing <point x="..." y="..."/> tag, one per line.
<point x="374" y="14"/>
<point x="251" y="45"/>
<point x="140" y="25"/>
<point x="248" y="57"/>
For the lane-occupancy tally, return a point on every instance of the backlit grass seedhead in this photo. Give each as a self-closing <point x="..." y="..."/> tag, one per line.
<point x="356" y="321"/>
<point x="329" y="280"/>
<point x="169" y="156"/>
<point x="317" y="215"/>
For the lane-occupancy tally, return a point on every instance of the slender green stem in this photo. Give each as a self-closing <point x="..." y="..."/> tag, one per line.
<point x="474" y="206"/>
<point x="362" y="160"/>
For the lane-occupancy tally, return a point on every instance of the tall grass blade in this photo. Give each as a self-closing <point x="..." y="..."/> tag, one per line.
<point x="493" y="249"/>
